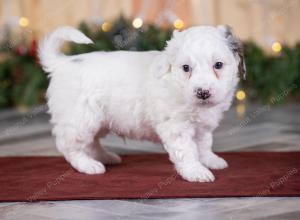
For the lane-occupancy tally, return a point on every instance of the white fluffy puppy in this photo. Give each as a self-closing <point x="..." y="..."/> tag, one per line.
<point x="175" y="96"/>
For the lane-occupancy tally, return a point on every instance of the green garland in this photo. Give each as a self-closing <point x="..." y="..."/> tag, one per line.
<point x="270" y="77"/>
<point x="23" y="83"/>
<point x="122" y="36"/>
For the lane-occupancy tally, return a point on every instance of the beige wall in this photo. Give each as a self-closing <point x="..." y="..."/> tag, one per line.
<point x="251" y="19"/>
<point x="279" y="20"/>
<point x="45" y="15"/>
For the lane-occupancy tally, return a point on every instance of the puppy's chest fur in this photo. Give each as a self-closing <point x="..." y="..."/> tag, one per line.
<point x="206" y="120"/>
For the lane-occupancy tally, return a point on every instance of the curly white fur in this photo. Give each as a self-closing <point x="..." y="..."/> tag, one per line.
<point x="141" y="95"/>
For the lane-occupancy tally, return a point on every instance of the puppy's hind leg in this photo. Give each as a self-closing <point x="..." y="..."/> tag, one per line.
<point x="75" y="137"/>
<point x="97" y="152"/>
<point x="74" y="152"/>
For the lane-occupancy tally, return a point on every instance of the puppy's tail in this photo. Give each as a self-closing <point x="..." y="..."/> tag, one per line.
<point x="49" y="54"/>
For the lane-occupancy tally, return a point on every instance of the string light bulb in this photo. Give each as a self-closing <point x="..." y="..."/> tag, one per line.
<point x="276" y="47"/>
<point x="178" y="24"/>
<point x="240" y="95"/>
<point x="23" y="22"/>
<point x="106" y="26"/>
<point x="137" y="23"/>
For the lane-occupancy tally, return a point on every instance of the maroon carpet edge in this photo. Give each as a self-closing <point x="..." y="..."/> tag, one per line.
<point x="149" y="176"/>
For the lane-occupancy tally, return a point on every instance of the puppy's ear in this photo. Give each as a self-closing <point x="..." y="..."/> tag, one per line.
<point x="236" y="47"/>
<point x="162" y="63"/>
<point x="161" y="66"/>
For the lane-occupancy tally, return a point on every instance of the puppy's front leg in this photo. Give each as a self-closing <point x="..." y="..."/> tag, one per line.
<point x="183" y="153"/>
<point x="206" y="156"/>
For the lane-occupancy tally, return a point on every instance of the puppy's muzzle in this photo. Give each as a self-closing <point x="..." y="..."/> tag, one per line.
<point x="202" y="93"/>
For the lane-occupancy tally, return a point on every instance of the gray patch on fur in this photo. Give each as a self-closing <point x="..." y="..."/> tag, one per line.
<point x="237" y="48"/>
<point x="77" y="60"/>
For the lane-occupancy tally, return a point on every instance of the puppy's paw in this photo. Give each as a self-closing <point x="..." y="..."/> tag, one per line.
<point x="85" y="164"/>
<point x="110" y="158"/>
<point x="212" y="161"/>
<point x="91" y="167"/>
<point x="196" y="173"/>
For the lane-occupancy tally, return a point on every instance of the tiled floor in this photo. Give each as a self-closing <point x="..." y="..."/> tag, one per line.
<point x="274" y="129"/>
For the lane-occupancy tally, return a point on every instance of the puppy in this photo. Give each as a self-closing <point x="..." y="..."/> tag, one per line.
<point x="176" y="97"/>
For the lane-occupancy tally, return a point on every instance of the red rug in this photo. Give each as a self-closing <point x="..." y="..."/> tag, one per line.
<point x="148" y="176"/>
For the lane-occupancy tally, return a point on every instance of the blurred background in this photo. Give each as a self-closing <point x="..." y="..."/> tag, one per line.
<point x="269" y="30"/>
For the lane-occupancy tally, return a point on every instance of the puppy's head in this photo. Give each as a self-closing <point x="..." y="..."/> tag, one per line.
<point x="204" y="62"/>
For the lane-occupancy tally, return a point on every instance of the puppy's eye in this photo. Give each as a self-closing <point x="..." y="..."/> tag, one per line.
<point x="186" y="68"/>
<point x="218" y="65"/>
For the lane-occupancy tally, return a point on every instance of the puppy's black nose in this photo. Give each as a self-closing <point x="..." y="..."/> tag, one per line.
<point x="202" y="93"/>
